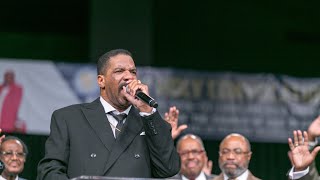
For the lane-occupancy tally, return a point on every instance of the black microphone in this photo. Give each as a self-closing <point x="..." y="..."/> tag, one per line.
<point x="147" y="99"/>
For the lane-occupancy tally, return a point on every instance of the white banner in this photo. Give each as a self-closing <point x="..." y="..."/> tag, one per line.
<point x="263" y="107"/>
<point x="43" y="90"/>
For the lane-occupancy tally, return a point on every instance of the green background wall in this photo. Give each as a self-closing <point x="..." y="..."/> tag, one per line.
<point x="281" y="37"/>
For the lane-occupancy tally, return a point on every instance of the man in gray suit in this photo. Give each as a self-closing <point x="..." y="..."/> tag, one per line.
<point x="91" y="139"/>
<point x="235" y="154"/>
<point x="13" y="156"/>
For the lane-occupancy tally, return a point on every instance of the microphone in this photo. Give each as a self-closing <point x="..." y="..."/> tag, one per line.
<point x="145" y="98"/>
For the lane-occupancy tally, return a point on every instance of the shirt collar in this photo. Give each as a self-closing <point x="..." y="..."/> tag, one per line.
<point x="201" y="176"/>
<point x="243" y="176"/>
<point x="108" y="108"/>
<point x="2" y="178"/>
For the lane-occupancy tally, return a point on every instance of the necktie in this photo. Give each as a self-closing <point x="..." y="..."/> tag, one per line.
<point x="119" y="118"/>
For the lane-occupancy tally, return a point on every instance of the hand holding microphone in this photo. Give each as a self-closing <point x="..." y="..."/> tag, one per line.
<point x="136" y="88"/>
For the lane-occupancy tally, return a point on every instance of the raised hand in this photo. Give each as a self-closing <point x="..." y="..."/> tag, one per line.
<point x="207" y="168"/>
<point x="301" y="157"/>
<point x="314" y="129"/>
<point x="172" y="117"/>
<point x="2" y="137"/>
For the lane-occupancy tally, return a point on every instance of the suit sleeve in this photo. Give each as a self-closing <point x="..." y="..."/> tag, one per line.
<point x="313" y="173"/>
<point x="54" y="165"/>
<point x="164" y="158"/>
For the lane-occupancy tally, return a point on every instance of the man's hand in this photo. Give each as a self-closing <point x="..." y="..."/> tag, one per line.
<point x="314" y="129"/>
<point x="207" y="168"/>
<point x="172" y="117"/>
<point x="301" y="157"/>
<point x="2" y="137"/>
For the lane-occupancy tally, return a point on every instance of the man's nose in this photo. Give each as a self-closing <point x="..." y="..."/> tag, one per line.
<point x="129" y="76"/>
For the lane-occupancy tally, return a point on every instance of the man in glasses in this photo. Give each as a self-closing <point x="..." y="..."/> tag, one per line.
<point x="234" y="158"/>
<point x="193" y="158"/>
<point x="13" y="156"/>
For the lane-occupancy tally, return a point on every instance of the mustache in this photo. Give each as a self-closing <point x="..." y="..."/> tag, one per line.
<point x="230" y="163"/>
<point x="124" y="84"/>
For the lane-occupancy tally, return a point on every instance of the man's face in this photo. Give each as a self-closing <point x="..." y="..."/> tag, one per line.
<point x="119" y="72"/>
<point x="8" y="77"/>
<point x="234" y="156"/>
<point x="12" y="156"/>
<point x="192" y="157"/>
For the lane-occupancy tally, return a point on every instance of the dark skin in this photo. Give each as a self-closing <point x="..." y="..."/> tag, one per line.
<point x="119" y="84"/>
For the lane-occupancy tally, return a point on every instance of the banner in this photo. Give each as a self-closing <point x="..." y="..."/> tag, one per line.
<point x="263" y="107"/>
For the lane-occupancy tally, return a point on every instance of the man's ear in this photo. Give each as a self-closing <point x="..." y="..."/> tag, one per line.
<point x="100" y="80"/>
<point x="1" y="165"/>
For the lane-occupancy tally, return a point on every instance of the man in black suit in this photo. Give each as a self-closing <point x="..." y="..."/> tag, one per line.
<point x="86" y="139"/>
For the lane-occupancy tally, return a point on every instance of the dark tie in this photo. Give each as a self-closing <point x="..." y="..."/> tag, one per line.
<point x="119" y="118"/>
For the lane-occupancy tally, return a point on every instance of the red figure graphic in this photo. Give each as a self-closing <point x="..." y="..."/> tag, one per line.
<point x="10" y="100"/>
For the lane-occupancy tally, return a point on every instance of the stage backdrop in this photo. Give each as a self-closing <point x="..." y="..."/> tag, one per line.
<point x="263" y="107"/>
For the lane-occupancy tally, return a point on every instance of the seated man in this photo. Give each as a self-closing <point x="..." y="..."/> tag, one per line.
<point x="13" y="156"/>
<point x="193" y="158"/>
<point x="235" y="154"/>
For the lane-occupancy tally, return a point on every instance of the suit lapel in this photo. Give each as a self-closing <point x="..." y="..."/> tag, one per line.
<point x="98" y="120"/>
<point x="131" y="129"/>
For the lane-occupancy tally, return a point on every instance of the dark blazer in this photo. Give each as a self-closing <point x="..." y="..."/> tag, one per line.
<point x="313" y="173"/>
<point x="81" y="142"/>
<point x="250" y="177"/>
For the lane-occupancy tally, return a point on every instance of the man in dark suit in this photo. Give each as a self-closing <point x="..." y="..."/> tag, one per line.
<point x="86" y="139"/>
<point x="235" y="154"/>
<point x="13" y="156"/>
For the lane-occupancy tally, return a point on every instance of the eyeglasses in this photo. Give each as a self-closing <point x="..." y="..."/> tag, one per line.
<point x="236" y="152"/>
<point x="10" y="154"/>
<point x="193" y="152"/>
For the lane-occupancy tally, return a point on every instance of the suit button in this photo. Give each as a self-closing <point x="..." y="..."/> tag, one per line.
<point x="137" y="156"/>
<point x="93" y="155"/>
<point x="155" y="131"/>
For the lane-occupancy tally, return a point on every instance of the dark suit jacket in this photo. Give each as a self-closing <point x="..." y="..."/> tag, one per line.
<point x="81" y="142"/>
<point x="250" y="177"/>
<point x="313" y="173"/>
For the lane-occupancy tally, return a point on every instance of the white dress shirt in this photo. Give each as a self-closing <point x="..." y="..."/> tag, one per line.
<point x="243" y="176"/>
<point x="201" y="176"/>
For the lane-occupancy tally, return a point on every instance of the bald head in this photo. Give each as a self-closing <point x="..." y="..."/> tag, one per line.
<point x="235" y="154"/>
<point x="237" y="137"/>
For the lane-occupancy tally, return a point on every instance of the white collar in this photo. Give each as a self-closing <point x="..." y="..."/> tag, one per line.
<point x="108" y="108"/>
<point x="2" y="178"/>
<point x="201" y="176"/>
<point x="243" y="176"/>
